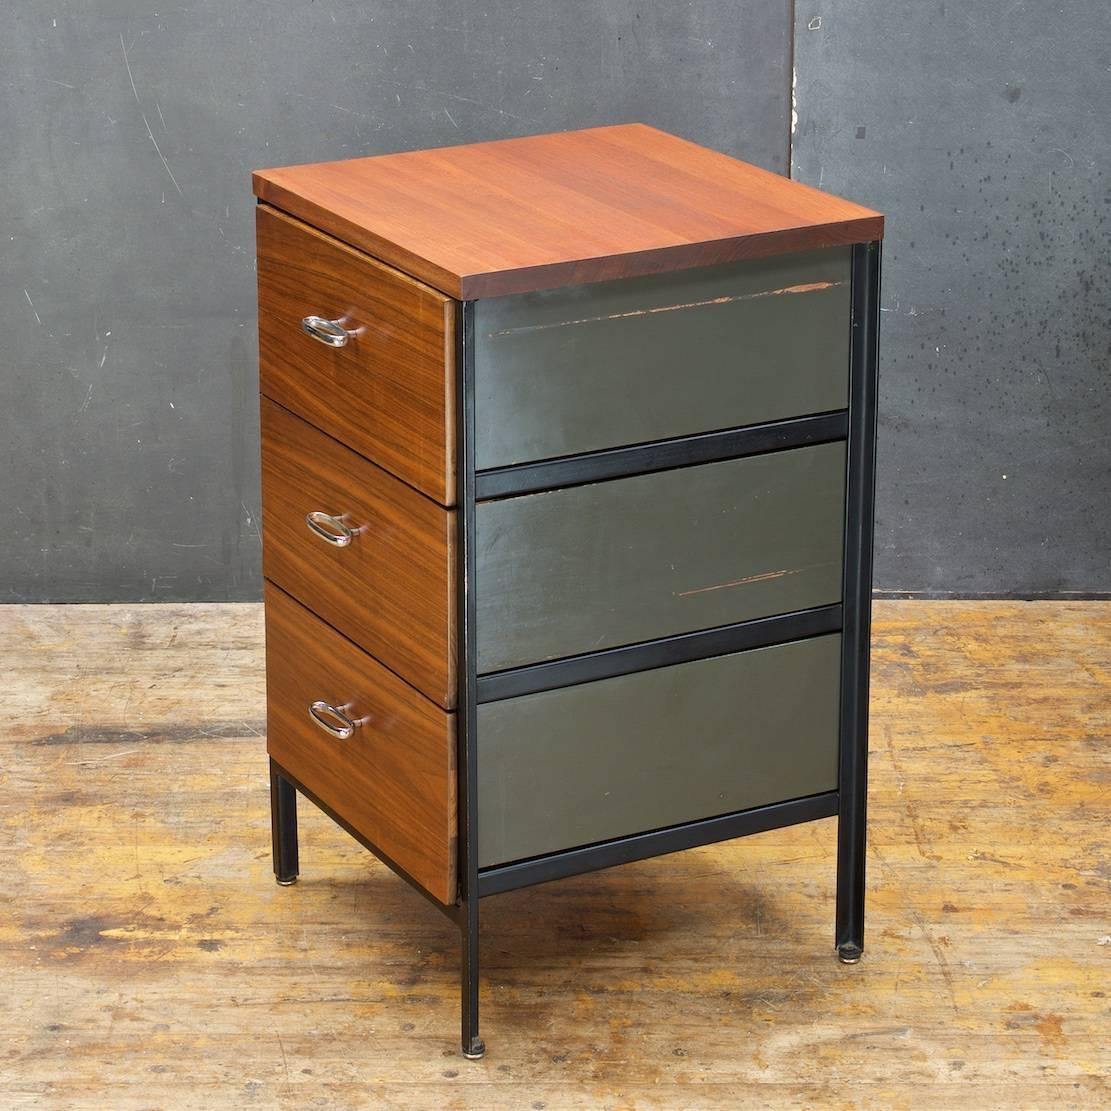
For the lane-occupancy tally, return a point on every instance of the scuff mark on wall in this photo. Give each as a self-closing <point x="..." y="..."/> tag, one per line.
<point x="794" y="106"/>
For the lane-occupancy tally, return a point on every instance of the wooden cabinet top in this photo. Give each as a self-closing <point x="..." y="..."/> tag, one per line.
<point x="517" y="215"/>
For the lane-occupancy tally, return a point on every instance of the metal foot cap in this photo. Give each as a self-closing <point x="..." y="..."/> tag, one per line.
<point x="285" y="883"/>
<point x="477" y="1050"/>
<point x="850" y="954"/>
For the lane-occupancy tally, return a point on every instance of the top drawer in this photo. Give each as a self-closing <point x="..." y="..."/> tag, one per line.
<point x="388" y="390"/>
<point x="598" y="366"/>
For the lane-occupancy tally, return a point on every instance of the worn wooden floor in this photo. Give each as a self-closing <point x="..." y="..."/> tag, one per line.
<point x="148" y="960"/>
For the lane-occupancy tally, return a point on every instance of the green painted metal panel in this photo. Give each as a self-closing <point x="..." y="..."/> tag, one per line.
<point x="589" y="763"/>
<point x="633" y="559"/>
<point x="611" y="363"/>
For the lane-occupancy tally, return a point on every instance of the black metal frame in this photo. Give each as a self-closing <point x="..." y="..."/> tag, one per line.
<point x="466" y="664"/>
<point x="860" y="482"/>
<point x="283" y="825"/>
<point x="664" y="455"/>
<point x="682" y="648"/>
<point x="857" y="426"/>
<point x="658" y="842"/>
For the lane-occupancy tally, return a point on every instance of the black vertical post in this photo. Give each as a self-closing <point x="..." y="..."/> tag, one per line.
<point x="467" y="762"/>
<point x="283" y="826"/>
<point x="857" y="622"/>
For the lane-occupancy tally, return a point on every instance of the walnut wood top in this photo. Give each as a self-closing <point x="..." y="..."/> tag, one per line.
<point x="517" y="215"/>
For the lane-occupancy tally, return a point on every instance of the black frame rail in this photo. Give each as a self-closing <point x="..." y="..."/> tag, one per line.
<point x="860" y="486"/>
<point x="493" y="686"/>
<point x="664" y="455"/>
<point x="641" y="846"/>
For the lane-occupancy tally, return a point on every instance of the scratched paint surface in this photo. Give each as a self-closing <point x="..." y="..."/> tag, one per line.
<point x="149" y="961"/>
<point x="801" y="287"/>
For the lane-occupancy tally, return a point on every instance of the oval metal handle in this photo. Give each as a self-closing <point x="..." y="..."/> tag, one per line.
<point x="331" y="332"/>
<point x="330" y="528"/>
<point x="333" y="720"/>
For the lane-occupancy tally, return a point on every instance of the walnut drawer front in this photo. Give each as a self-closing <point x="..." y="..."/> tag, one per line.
<point x="393" y="779"/>
<point x="638" y="752"/>
<point x="632" y="559"/>
<point x="608" y="364"/>
<point x="388" y="391"/>
<point x="387" y="581"/>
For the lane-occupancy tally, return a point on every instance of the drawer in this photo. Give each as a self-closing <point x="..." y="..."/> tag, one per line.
<point x="389" y="587"/>
<point x="639" y="752"/>
<point x="565" y="371"/>
<point x="393" y="780"/>
<point x="633" y="559"/>
<point x="388" y="391"/>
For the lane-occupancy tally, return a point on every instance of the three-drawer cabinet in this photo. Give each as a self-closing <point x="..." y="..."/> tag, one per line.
<point x="567" y="468"/>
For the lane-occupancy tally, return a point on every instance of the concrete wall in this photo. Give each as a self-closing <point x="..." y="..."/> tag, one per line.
<point x="981" y="131"/>
<point x="127" y="303"/>
<point x="127" y="348"/>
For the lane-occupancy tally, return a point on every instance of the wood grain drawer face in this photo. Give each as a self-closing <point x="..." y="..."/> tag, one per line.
<point x="394" y="779"/>
<point x="591" y="567"/>
<point x="584" y="764"/>
<point x="388" y="393"/>
<point x="391" y="588"/>
<point x="613" y="363"/>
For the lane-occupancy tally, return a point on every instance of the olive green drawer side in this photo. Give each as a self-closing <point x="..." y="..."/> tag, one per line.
<point x="634" y="559"/>
<point x="583" y="764"/>
<point x="612" y="363"/>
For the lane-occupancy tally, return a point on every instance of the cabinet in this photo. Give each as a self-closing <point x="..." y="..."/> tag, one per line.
<point x="567" y="462"/>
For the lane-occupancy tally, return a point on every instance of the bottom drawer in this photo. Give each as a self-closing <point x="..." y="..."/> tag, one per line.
<point x="638" y="752"/>
<point x="393" y="779"/>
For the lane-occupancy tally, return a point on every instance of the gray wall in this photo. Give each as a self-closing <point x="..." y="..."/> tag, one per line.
<point x="127" y="350"/>
<point x="981" y="130"/>
<point x="128" y="385"/>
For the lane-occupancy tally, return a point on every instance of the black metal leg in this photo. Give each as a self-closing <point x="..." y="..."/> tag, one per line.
<point x="857" y="605"/>
<point x="473" y="1046"/>
<point x="283" y="825"/>
<point x="850" y="886"/>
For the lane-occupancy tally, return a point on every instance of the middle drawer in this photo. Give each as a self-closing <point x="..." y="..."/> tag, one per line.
<point x="633" y="559"/>
<point x="559" y="573"/>
<point x="387" y="582"/>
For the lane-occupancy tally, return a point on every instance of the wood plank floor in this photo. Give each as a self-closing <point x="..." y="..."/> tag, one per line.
<point x="148" y="960"/>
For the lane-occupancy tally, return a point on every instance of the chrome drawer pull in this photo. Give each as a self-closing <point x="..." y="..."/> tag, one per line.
<point x="324" y="716"/>
<point x="331" y="332"/>
<point x="330" y="528"/>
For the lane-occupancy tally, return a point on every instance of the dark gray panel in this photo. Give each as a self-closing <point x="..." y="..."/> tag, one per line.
<point x="595" y="366"/>
<point x="603" y="760"/>
<point x="618" y="562"/>
<point x="127" y="321"/>
<point x="981" y="130"/>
